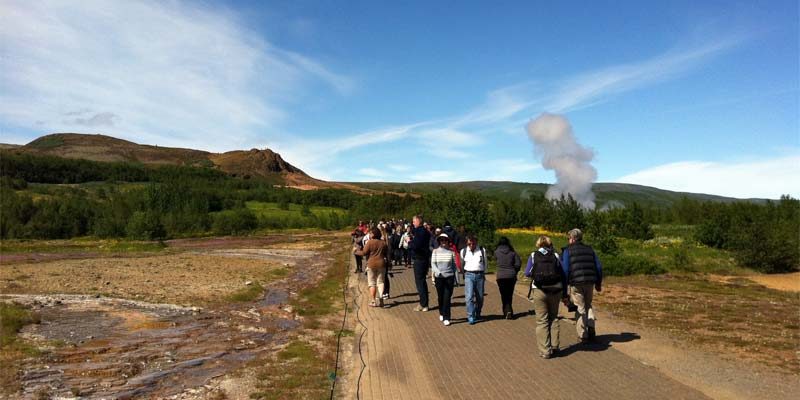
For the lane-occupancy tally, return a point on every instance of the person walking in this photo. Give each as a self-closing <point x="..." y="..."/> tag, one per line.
<point x="404" y="241"/>
<point x="376" y="252"/>
<point x="475" y="264"/>
<point x="549" y="286"/>
<point x="357" y="237"/>
<point x="584" y="272"/>
<point x="394" y="246"/>
<point x="508" y="265"/>
<point x="443" y="267"/>
<point x="419" y="244"/>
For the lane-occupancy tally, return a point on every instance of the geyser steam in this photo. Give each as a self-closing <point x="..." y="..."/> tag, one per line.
<point x="556" y="145"/>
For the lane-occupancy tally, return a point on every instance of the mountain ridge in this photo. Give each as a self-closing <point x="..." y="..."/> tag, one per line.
<point x="268" y="164"/>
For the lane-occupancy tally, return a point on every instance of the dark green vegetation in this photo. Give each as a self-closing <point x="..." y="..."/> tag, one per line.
<point x="47" y="197"/>
<point x="607" y="193"/>
<point x="12" y="318"/>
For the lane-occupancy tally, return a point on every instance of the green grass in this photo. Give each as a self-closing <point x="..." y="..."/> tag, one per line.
<point x="79" y="245"/>
<point x="273" y="210"/>
<point x="300" y="372"/>
<point x="669" y="240"/>
<point x="248" y="293"/>
<point x="12" y="318"/>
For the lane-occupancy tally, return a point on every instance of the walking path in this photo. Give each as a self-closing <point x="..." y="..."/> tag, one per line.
<point x="412" y="355"/>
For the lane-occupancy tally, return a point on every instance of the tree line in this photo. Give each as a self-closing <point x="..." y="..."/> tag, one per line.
<point x="122" y="199"/>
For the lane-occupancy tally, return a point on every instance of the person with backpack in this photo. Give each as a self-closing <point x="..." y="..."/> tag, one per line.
<point x="475" y="263"/>
<point x="549" y="287"/>
<point x="508" y="265"/>
<point x="584" y="273"/>
<point x="443" y="268"/>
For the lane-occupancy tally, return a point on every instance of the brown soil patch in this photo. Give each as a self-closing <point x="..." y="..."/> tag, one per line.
<point x="786" y="282"/>
<point x="731" y="317"/>
<point x="196" y="279"/>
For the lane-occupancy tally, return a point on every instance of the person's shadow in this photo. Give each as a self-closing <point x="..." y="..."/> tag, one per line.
<point x="600" y="343"/>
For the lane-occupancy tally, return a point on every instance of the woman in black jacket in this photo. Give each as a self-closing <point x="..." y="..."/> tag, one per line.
<point x="508" y="265"/>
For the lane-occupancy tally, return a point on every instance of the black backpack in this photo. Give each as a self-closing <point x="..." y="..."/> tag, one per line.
<point x="546" y="269"/>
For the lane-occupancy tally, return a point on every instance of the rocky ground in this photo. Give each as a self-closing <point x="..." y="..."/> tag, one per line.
<point x="161" y="326"/>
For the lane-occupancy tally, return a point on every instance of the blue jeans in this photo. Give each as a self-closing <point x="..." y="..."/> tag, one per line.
<point x="473" y="293"/>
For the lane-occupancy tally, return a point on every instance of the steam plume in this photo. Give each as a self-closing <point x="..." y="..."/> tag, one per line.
<point x="556" y="145"/>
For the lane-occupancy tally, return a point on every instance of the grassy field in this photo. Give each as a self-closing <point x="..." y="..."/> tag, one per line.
<point x="673" y="249"/>
<point x="273" y="210"/>
<point x="79" y="245"/>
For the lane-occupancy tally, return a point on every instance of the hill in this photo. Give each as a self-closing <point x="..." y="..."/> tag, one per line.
<point x="263" y="163"/>
<point x="607" y="193"/>
<point x="268" y="165"/>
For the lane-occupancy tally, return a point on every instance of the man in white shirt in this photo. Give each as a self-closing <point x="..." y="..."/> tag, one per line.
<point x="475" y="266"/>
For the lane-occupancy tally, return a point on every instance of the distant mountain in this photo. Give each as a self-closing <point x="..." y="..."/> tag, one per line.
<point x="607" y="193"/>
<point x="244" y="163"/>
<point x="265" y="163"/>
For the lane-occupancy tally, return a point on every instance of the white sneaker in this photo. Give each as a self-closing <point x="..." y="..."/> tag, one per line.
<point x="447" y="322"/>
<point x="441" y="318"/>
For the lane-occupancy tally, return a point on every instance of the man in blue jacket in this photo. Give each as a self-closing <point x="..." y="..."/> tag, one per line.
<point x="420" y="245"/>
<point x="584" y="273"/>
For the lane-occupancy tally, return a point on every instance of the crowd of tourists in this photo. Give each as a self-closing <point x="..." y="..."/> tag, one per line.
<point x="450" y="257"/>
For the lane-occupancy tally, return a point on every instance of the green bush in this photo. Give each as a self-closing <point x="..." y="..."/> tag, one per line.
<point x="681" y="259"/>
<point x="145" y="225"/>
<point x="624" y="265"/>
<point x="234" y="222"/>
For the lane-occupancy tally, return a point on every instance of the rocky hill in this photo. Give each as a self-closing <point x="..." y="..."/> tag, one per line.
<point x="263" y="163"/>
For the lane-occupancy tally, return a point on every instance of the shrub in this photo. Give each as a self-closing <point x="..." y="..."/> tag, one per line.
<point x="681" y="259"/>
<point x="623" y="265"/>
<point x="234" y="222"/>
<point x="145" y="225"/>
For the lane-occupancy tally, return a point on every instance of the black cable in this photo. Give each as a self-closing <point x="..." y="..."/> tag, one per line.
<point x="341" y="330"/>
<point x="360" y="340"/>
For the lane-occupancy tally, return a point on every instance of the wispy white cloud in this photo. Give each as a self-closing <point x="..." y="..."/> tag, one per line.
<point x="763" y="179"/>
<point x="597" y="86"/>
<point x="172" y="73"/>
<point x="506" y="110"/>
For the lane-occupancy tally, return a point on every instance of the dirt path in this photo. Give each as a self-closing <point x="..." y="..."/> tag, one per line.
<point x="412" y="355"/>
<point x="786" y="282"/>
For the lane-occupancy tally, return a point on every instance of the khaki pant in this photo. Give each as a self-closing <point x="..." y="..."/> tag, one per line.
<point x="375" y="278"/>
<point x="547" y="327"/>
<point x="581" y="296"/>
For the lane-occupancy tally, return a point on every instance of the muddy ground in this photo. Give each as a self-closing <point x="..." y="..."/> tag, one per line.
<point x="162" y="325"/>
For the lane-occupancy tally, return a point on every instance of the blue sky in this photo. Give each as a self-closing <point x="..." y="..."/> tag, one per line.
<point x="691" y="96"/>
